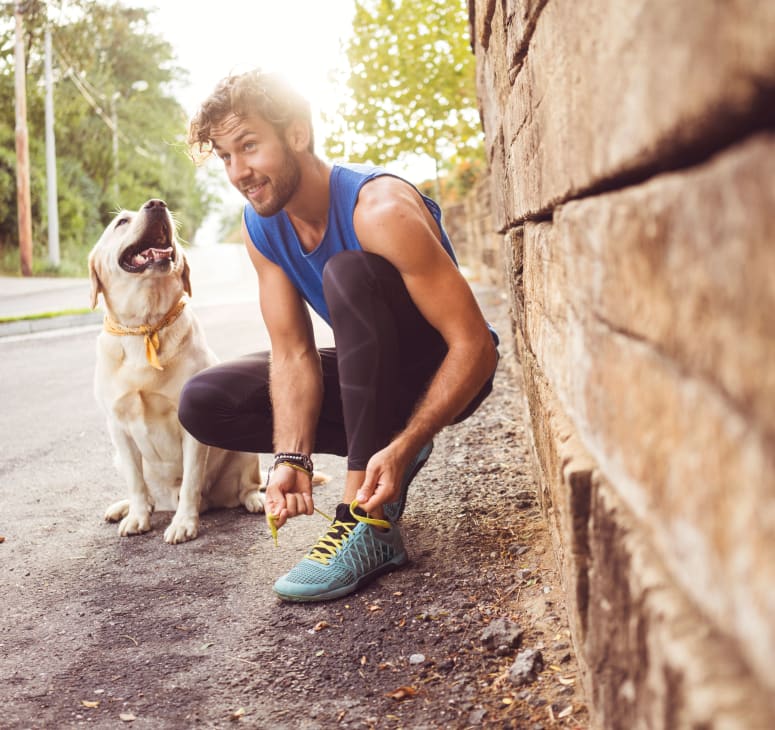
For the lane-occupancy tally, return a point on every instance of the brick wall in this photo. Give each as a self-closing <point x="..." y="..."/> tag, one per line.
<point x="631" y="146"/>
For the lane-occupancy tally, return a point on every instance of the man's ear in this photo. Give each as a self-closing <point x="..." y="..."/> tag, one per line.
<point x="298" y="134"/>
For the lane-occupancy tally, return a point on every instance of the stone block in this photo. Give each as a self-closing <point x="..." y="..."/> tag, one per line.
<point x="648" y="656"/>
<point x="564" y="471"/>
<point x="657" y="663"/>
<point x="610" y="92"/>
<point x="649" y="312"/>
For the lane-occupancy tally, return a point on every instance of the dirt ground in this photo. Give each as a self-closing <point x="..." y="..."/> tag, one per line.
<point x="472" y="633"/>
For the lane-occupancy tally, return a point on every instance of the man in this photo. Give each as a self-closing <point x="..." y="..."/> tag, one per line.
<point x="412" y="353"/>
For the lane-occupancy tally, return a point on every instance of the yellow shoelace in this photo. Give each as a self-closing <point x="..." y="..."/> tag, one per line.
<point x="326" y="547"/>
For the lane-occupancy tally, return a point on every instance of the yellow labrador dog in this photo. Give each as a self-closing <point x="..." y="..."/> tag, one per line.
<point x="151" y="344"/>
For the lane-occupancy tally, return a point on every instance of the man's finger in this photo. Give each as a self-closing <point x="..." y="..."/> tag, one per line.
<point x="367" y="488"/>
<point x="279" y="517"/>
<point x="372" y="499"/>
<point x="370" y="505"/>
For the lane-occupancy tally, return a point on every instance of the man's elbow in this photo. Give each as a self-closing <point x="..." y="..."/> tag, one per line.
<point x="482" y="354"/>
<point x="488" y="355"/>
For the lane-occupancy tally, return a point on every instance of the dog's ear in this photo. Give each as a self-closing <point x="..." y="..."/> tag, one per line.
<point x="186" y="276"/>
<point x="96" y="284"/>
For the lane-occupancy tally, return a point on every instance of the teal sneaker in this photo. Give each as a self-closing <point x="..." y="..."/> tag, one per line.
<point x="350" y="554"/>
<point x="394" y="510"/>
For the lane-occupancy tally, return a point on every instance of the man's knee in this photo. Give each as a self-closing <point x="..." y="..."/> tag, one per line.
<point x="194" y="405"/>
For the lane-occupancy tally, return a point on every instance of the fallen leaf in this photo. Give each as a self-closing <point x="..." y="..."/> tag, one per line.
<point x="2" y="539"/>
<point x="320" y="625"/>
<point x="567" y="681"/>
<point x="567" y="712"/>
<point x="507" y="701"/>
<point x="127" y="717"/>
<point x="182" y="628"/>
<point x="363" y="660"/>
<point x="90" y="704"/>
<point x="320" y="652"/>
<point x="374" y="607"/>
<point x="237" y="714"/>
<point x="402" y="693"/>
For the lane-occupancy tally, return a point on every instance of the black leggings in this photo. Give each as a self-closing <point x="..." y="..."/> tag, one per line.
<point x="385" y="356"/>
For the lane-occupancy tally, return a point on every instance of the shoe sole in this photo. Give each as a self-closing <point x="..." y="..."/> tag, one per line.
<point x="395" y="510"/>
<point x="396" y="562"/>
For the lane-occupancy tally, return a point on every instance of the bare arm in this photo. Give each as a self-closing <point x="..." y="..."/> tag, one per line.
<point x="391" y="220"/>
<point x="296" y="384"/>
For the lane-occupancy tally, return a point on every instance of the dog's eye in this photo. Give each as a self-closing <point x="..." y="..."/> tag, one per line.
<point x="122" y="221"/>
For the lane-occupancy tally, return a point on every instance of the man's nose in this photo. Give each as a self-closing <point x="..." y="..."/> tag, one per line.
<point x="238" y="169"/>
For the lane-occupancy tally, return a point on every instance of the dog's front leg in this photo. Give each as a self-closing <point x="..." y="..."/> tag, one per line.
<point x="185" y="523"/>
<point x="139" y="506"/>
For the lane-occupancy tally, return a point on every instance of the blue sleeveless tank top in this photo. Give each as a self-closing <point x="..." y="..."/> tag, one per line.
<point x="276" y="238"/>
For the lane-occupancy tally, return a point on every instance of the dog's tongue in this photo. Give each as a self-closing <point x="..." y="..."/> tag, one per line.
<point x="151" y="254"/>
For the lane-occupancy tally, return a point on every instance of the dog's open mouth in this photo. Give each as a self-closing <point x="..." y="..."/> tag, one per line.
<point x="155" y="249"/>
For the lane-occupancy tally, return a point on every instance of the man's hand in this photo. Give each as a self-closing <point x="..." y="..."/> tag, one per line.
<point x="382" y="481"/>
<point x="288" y="494"/>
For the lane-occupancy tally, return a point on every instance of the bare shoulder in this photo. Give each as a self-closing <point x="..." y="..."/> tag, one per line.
<point x="256" y="258"/>
<point x="392" y="219"/>
<point x="387" y="196"/>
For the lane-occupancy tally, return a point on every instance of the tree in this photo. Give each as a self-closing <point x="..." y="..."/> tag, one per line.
<point x="412" y="85"/>
<point x="113" y="88"/>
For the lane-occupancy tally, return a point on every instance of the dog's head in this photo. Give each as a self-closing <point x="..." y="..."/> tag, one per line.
<point x="138" y="249"/>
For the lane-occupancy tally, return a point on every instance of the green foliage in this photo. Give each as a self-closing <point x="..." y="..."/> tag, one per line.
<point x="456" y="182"/>
<point x="112" y="86"/>
<point x="412" y="85"/>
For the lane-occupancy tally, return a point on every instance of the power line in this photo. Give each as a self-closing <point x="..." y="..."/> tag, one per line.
<point x="81" y="83"/>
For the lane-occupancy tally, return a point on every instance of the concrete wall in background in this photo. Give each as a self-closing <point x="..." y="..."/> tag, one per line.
<point x="632" y="187"/>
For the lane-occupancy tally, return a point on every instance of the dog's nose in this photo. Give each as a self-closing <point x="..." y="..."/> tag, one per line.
<point x="155" y="203"/>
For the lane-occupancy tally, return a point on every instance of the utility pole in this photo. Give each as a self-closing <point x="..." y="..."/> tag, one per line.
<point x="23" y="206"/>
<point x="51" y="161"/>
<point x="114" y="119"/>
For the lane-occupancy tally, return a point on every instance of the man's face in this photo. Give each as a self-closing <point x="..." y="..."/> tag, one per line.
<point x="259" y="163"/>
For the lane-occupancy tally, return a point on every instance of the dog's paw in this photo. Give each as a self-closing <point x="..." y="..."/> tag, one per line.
<point x="254" y="501"/>
<point x="117" y="511"/>
<point x="182" y="529"/>
<point x="135" y="523"/>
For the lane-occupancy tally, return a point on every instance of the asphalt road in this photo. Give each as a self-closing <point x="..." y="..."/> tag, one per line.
<point x="70" y="587"/>
<point x="107" y="632"/>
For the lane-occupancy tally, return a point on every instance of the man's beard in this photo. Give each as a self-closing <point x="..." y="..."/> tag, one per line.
<point x="281" y="187"/>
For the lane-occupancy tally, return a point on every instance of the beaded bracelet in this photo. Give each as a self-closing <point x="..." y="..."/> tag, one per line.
<point x="298" y="461"/>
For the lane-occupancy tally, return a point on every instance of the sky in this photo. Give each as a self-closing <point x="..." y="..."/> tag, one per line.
<point x="302" y="39"/>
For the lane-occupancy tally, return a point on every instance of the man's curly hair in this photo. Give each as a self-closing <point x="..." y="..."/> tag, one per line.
<point x="245" y="94"/>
